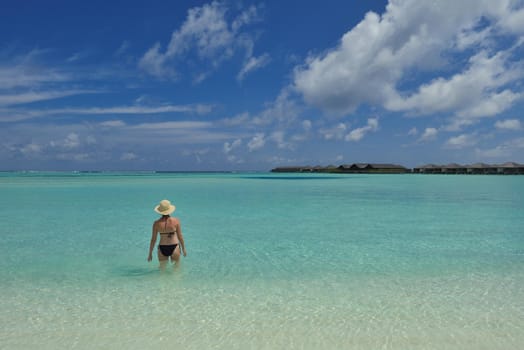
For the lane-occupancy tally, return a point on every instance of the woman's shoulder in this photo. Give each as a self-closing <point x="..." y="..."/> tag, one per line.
<point x="157" y="221"/>
<point x="171" y="219"/>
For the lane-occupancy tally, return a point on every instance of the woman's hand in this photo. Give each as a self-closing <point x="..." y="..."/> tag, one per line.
<point x="150" y="257"/>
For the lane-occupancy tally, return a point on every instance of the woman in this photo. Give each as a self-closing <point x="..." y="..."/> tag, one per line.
<point x="171" y="239"/>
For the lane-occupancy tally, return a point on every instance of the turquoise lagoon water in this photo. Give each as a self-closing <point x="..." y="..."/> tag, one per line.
<point x="274" y="262"/>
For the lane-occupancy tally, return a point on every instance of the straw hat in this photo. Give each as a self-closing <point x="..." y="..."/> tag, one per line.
<point x="165" y="207"/>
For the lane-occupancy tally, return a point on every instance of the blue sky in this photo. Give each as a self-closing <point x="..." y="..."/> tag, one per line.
<point x="248" y="85"/>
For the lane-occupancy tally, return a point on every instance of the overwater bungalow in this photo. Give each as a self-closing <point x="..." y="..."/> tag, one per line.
<point x="509" y="168"/>
<point x="346" y="168"/>
<point x="372" y="168"/>
<point x="428" y="169"/>
<point x="454" y="168"/>
<point x="479" y="169"/>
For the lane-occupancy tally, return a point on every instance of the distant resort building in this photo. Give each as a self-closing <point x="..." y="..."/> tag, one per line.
<point x="373" y="168"/>
<point x="509" y="168"/>
<point x="346" y="168"/>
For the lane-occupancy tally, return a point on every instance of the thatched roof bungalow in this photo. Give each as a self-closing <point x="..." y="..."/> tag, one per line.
<point x="479" y="168"/>
<point x="451" y="168"/>
<point x="428" y="169"/>
<point x="345" y="168"/>
<point x="454" y="168"/>
<point x="373" y="168"/>
<point x="508" y="168"/>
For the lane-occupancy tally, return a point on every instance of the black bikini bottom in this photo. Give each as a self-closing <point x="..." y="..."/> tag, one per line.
<point x="167" y="250"/>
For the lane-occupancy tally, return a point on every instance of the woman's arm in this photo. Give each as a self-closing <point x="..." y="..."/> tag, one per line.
<point x="153" y="242"/>
<point x="180" y="237"/>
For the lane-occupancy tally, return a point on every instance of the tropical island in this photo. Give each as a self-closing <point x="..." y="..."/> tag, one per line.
<point x="508" y="168"/>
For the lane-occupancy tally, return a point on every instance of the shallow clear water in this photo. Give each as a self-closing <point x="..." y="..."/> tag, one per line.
<point x="274" y="261"/>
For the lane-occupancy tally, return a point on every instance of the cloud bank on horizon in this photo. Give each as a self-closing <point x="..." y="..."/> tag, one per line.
<point x="253" y="86"/>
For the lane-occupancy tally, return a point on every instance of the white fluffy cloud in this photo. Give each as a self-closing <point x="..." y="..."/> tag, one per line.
<point x="372" y="60"/>
<point x="461" y="141"/>
<point x="283" y="110"/>
<point x="49" y="143"/>
<point x="472" y="93"/>
<point x="306" y="124"/>
<point x="31" y="149"/>
<point x="258" y="141"/>
<point x="359" y="133"/>
<point x="510" y="148"/>
<point x="228" y="147"/>
<point x="72" y="141"/>
<point x="128" y="156"/>
<point x="508" y="124"/>
<point x="252" y="64"/>
<point x="428" y="135"/>
<point x="212" y="37"/>
<point x="496" y="152"/>
<point x="336" y="132"/>
<point x="279" y="137"/>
